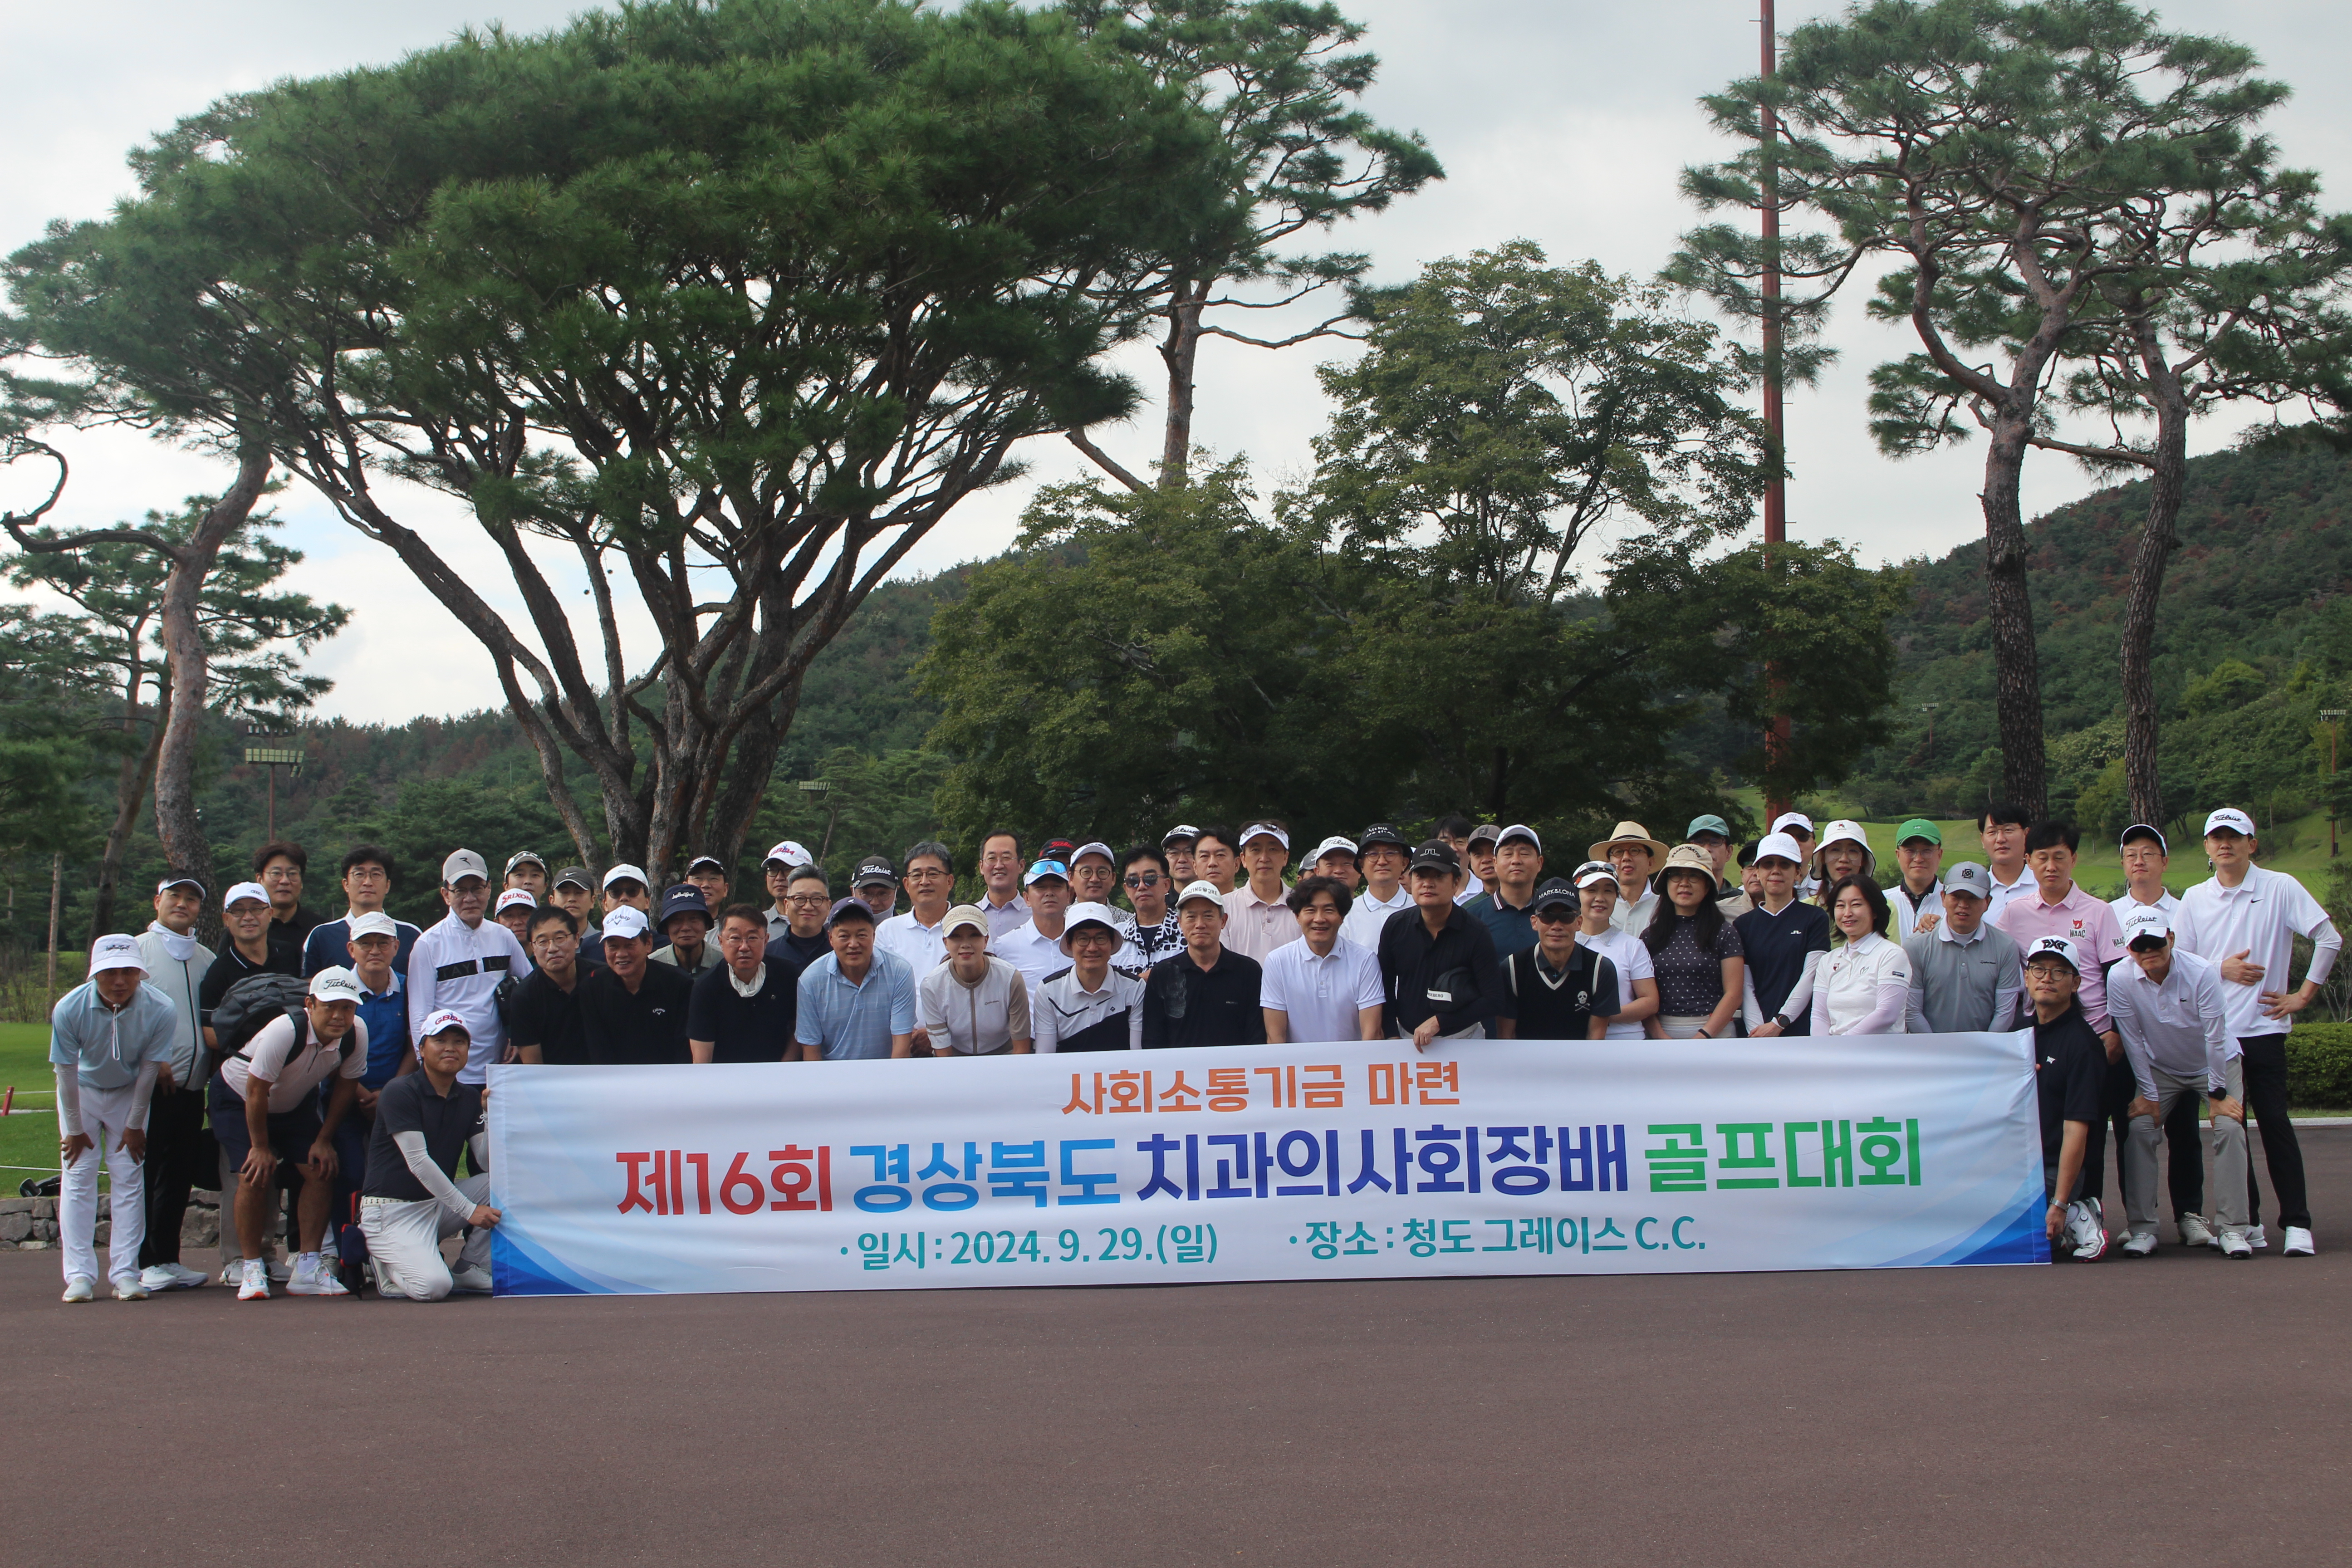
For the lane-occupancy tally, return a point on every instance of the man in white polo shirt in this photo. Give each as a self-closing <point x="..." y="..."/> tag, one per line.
<point x="2001" y="829"/>
<point x="458" y="963"/>
<point x="1321" y="987"/>
<point x="1257" y="913"/>
<point x="1336" y="857"/>
<point x="2169" y="1008"/>
<point x="1381" y="853"/>
<point x="917" y="936"/>
<point x="2244" y="921"/>
<point x="1034" y="946"/>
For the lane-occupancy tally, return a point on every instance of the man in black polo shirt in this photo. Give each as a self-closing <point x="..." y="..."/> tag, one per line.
<point x="1439" y="969"/>
<point x="743" y="1011"/>
<point x="1205" y="995"/>
<point x="2070" y="1069"/>
<point x="543" y="1012"/>
<point x="412" y="1198"/>
<point x="1559" y="989"/>
<point x="632" y="1010"/>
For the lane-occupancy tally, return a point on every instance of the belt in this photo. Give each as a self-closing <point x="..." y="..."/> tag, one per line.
<point x="392" y="1202"/>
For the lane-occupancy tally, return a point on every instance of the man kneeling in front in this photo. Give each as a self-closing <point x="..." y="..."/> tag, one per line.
<point x="412" y="1199"/>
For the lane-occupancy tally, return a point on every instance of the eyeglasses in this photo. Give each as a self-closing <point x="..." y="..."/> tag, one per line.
<point x="809" y="901"/>
<point x="1149" y="879"/>
<point x="926" y="875"/>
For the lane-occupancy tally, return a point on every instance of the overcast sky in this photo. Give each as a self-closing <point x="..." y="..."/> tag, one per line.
<point x="1560" y="121"/>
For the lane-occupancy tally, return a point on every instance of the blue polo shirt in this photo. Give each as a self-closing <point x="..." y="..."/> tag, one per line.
<point x="385" y="1014"/>
<point x="855" y="1022"/>
<point x="1509" y="924"/>
<point x="329" y="946"/>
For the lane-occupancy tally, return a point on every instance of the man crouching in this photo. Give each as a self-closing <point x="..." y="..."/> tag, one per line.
<point x="412" y="1200"/>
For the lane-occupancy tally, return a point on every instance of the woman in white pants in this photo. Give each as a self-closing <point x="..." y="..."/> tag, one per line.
<point x="423" y="1120"/>
<point x="109" y="1038"/>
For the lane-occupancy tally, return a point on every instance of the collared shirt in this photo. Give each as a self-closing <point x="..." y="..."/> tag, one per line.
<point x="106" y="1047"/>
<point x="2263" y="915"/>
<point x="385" y="1014"/>
<point x="1777" y="947"/>
<point x="2085" y="922"/>
<point x="1069" y="1018"/>
<point x="329" y="945"/>
<point x="1850" y="990"/>
<point x="1037" y="956"/>
<point x="1004" y="917"/>
<point x="292" y="933"/>
<point x="2027" y="886"/>
<point x="182" y="980"/>
<point x="1185" y="1005"/>
<point x="1151" y="944"/>
<point x="547" y="1016"/>
<point x="1908" y="910"/>
<point x="1254" y="927"/>
<point x="924" y="947"/>
<point x="1961" y="984"/>
<point x="1368" y="914"/>
<point x="1452" y="976"/>
<point x="709" y="961"/>
<point x="1550" y="1003"/>
<point x="2126" y="904"/>
<point x="2070" y="1069"/>
<point x="1321" y="995"/>
<point x="1509" y="924"/>
<point x="757" y="1027"/>
<point x="459" y="966"/>
<point x="2182" y="1025"/>
<point x="447" y="1123"/>
<point x="642" y="1028"/>
<point x="1632" y="958"/>
<point x="1635" y="918"/>
<point x="977" y="1019"/>
<point x="856" y="1022"/>
<point x="292" y="1074"/>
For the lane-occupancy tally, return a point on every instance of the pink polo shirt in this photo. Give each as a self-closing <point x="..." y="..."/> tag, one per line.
<point x="1254" y="927"/>
<point x="2088" y="922"/>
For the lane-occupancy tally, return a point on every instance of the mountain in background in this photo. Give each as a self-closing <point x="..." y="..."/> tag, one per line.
<point x="2254" y="640"/>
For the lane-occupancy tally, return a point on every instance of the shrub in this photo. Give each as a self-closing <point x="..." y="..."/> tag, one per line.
<point x="2319" y="1067"/>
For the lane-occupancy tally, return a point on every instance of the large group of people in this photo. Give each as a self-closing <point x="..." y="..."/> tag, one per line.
<point x="336" y="1068"/>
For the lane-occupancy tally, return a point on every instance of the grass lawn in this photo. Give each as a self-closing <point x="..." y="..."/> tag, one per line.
<point x="26" y="1140"/>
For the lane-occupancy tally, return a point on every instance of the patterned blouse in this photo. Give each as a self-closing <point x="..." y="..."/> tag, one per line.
<point x="1690" y="979"/>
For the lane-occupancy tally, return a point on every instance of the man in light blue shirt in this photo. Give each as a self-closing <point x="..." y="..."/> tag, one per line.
<point x="855" y="1003"/>
<point x="109" y="1038"/>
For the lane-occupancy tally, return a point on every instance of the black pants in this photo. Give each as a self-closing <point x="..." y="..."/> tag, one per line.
<point x="2265" y="1065"/>
<point x="2184" y="1136"/>
<point x="175" y="1146"/>
<point x="2115" y="1092"/>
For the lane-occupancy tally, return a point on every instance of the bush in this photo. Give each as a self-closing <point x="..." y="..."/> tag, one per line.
<point x="2319" y="1067"/>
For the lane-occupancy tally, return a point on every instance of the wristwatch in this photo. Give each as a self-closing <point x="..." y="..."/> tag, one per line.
<point x="1781" y="1019"/>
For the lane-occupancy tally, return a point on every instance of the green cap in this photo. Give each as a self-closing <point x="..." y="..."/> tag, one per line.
<point x="1918" y="828"/>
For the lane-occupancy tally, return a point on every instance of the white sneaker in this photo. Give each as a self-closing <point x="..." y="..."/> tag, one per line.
<point x="130" y="1288"/>
<point x="2298" y="1243"/>
<point x="188" y="1279"/>
<point x="320" y="1282"/>
<point x="2141" y="1244"/>
<point x="2090" y="1237"/>
<point x="2256" y="1239"/>
<point x="253" y="1281"/>
<point x="80" y="1288"/>
<point x="159" y="1277"/>
<point x="471" y="1281"/>
<point x="2195" y="1232"/>
<point x="280" y="1270"/>
<point x="2234" y="1244"/>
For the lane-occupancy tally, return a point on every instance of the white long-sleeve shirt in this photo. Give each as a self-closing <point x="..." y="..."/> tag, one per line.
<point x="459" y="966"/>
<point x="2182" y="1025"/>
<point x="1863" y="988"/>
<point x="2261" y="916"/>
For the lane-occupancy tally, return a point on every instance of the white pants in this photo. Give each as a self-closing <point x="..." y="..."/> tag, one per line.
<point x="1677" y="1026"/>
<point x="2228" y="1187"/>
<point x="405" y="1239"/>
<point x="104" y="1114"/>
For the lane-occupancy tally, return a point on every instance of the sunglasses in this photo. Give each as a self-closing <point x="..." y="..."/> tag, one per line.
<point x="1149" y="879"/>
<point x="1555" y="916"/>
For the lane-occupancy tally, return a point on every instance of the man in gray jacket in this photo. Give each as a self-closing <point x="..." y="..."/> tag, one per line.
<point x="176" y="964"/>
<point x="1966" y="975"/>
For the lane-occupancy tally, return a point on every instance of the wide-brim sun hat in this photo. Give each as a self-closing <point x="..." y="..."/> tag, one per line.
<point x="1626" y="833"/>
<point x="1687" y="857"/>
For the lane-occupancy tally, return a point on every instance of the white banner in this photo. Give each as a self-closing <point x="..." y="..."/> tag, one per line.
<point x="1268" y="1163"/>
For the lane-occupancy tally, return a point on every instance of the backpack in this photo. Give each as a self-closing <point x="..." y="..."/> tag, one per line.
<point x="249" y="1006"/>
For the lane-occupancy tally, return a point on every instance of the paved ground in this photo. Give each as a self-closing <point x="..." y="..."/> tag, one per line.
<point x="2180" y="1409"/>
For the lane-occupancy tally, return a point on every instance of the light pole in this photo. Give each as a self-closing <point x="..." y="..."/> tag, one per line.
<point x="273" y="758"/>
<point x="1929" y="710"/>
<point x="2331" y="715"/>
<point x="1776" y="492"/>
<point x="832" y="812"/>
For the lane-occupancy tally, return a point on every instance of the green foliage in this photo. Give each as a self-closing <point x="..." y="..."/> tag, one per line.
<point x="1503" y="410"/>
<point x="878" y="805"/>
<point x="2319" y="1067"/>
<point x="44" y="752"/>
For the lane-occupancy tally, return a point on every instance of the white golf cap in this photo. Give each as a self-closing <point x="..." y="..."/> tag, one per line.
<point x="1338" y="844"/>
<point x="376" y="922"/>
<point x="336" y="984"/>
<point x="1201" y="890"/>
<point x="244" y="892"/>
<point x="2146" y="920"/>
<point x="1777" y="845"/>
<point x="789" y="854"/>
<point x="1264" y="831"/>
<point x="1593" y="872"/>
<point x="514" y="896"/>
<point x="2055" y="947"/>
<point x="1084" y="850"/>
<point x="442" y="1022"/>
<point x="116" y="952"/>
<point x="1518" y="830"/>
<point x="1844" y="830"/>
<point x="628" y="922"/>
<point x="624" y="872"/>
<point x="462" y="864"/>
<point x="2230" y="818"/>
<point x="1088" y="914"/>
<point x="964" y="917"/>
<point x="1788" y="819"/>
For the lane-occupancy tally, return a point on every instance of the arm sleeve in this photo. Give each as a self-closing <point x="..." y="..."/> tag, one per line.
<point x="144" y="1091"/>
<point x="1893" y="993"/>
<point x="68" y="1100"/>
<point x="2214" y="1014"/>
<point x="2324" y="945"/>
<point x="1821" y="999"/>
<point x="1751" y="1012"/>
<point x="420" y="989"/>
<point x="1135" y="1024"/>
<point x="1800" y="995"/>
<point x="430" y="1175"/>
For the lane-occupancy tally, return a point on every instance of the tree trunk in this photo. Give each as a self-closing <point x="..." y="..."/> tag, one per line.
<point x="1182" y="352"/>
<point x="2159" y="538"/>
<point x="185" y="849"/>
<point x="2017" y="678"/>
<point x="130" y="794"/>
